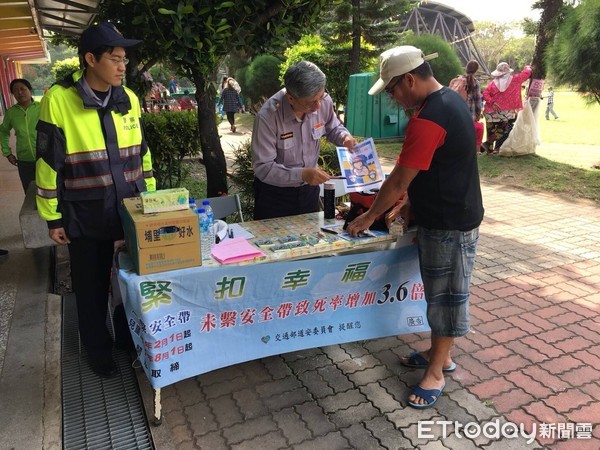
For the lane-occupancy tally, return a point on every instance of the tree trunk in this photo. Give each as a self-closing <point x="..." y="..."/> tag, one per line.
<point x="545" y="34"/>
<point x="210" y="143"/>
<point x="356" y="34"/>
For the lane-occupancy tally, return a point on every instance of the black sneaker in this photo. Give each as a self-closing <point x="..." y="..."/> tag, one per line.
<point x="3" y="252"/>
<point x="104" y="367"/>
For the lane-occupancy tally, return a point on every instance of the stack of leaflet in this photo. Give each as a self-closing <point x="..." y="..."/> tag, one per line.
<point x="235" y="250"/>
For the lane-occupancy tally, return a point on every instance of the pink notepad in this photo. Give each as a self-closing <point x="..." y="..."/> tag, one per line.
<point x="235" y="250"/>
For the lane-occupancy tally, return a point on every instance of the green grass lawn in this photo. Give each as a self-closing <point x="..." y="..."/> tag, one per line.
<point x="246" y="120"/>
<point x="577" y="121"/>
<point x="562" y="163"/>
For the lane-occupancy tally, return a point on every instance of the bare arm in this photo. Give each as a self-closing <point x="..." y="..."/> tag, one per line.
<point x="390" y="192"/>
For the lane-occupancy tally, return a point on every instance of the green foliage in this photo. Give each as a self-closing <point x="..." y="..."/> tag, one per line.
<point x="243" y="177"/>
<point x="499" y="42"/>
<point x="574" y="57"/>
<point x="372" y="22"/>
<point x="261" y="77"/>
<point x="529" y="27"/>
<point x="309" y="48"/>
<point x="328" y="159"/>
<point x="561" y="164"/>
<point x="240" y="76"/>
<point x="40" y="75"/>
<point x="61" y="69"/>
<point x="542" y="174"/>
<point x="171" y="137"/>
<point x="332" y="60"/>
<point x="236" y="60"/>
<point x="377" y="20"/>
<point x="161" y="73"/>
<point x="196" y="36"/>
<point x="447" y="65"/>
<point x="194" y="178"/>
<point x="518" y="52"/>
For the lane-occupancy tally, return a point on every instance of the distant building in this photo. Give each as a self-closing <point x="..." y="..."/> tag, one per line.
<point x="453" y="26"/>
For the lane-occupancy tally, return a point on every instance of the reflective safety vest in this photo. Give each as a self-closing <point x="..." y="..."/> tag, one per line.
<point x="89" y="158"/>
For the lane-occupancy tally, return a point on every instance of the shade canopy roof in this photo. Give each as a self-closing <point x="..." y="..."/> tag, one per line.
<point x="25" y="23"/>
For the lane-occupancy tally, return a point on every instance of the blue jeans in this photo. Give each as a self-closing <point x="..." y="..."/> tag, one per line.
<point x="446" y="259"/>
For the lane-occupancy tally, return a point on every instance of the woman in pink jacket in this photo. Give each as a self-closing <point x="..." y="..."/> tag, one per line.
<point x="502" y="103"/>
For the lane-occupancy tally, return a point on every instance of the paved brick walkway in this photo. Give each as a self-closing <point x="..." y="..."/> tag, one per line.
<point x="532" y="357"/>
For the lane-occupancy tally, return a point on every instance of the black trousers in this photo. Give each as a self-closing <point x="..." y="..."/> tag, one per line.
<point x="91" y="262"/>
<point x="231" y="117"/>
<point x="273" y="201"/>
<point x="26" y="173"/>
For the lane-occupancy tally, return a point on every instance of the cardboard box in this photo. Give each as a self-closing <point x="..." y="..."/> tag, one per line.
<point x="176" y="199"/>
<point x="160" y="241"/>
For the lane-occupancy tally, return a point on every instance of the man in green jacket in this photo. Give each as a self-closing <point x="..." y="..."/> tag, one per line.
<point x="21" y="117"/>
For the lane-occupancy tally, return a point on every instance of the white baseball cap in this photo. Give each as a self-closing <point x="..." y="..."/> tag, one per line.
<point x="398" y="61"/>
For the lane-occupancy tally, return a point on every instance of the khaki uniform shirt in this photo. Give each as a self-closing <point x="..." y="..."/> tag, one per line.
<point x="282" y="144"/>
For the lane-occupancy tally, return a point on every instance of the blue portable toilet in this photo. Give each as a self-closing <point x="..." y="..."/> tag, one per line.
<point x="375" y="116"/>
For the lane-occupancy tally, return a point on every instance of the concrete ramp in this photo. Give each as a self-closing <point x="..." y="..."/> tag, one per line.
<point x="33" y="228"/>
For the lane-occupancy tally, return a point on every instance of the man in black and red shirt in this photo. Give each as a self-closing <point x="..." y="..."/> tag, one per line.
<point x="438" y="169"/>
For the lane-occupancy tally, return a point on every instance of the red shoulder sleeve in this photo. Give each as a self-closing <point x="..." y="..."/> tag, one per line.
<point x="423" y="137"/>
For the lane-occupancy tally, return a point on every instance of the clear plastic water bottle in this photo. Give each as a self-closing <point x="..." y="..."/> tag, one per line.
<point x="205" y="244"/>
<point x="192" y="204"/>
<point x="211" y="218"/>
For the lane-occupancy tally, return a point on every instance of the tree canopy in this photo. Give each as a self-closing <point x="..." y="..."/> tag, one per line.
<point x="331" y="59"/>
<point x="374" y="22"/>
<point x="261" y="78"/>
<point x="574" y="56"/>
<point x="498" y="42"/>
<point x="195" y="36"/>
<point x="61" y="69"/>
<point x="447" y="65"/>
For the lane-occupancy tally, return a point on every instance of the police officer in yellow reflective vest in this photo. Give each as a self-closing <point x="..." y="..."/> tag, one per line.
<point x="91" y="154"/>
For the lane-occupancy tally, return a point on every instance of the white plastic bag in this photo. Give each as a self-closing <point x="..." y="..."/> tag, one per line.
<point x="524" y="137"/>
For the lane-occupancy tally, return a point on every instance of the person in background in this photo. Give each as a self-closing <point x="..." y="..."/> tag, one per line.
<point x="502" y="103"/>
<point x="550" y="104"/>
<point x="22" y="118"/>
<point x="223" y="83"/>
<point x="474" y="100"/>
<point x="185" y="102"/>
<point x="172" y="85"/>
<point x="91" y="154"/>
<point x="147" y="100"/>
<point x="473" y="90"/>
<point x="230" y="99"/>
<point x="437" y="169"/>
<point x="219" y="94"/>
<point x="286" y="143"/>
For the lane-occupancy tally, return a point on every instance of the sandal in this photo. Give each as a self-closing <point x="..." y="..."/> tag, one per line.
<point x="429" y="395"/>
<point x="417" y="361"/>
